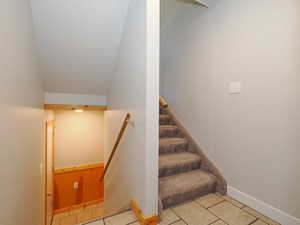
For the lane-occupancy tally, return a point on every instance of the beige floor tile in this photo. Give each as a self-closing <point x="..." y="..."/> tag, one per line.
<point x="233" y="201"/>
<point x="168" y="217"/>
<point x="180" y="222"/>
<point x="259" y="222"/>
<point x="98" y="222"/>
<point x="68" y="220"/>
<point x="194" y="214"/>
<point x="261" y="216"/>
<point x="121" y="219"/>
<point x="209" y="200"/>
<point x="84" y="216"/>
<point x="232" y="214"/>
<point x="219" y="222"/>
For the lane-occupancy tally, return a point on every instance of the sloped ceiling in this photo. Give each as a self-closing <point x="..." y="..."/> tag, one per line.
<point x="78" y="42"/>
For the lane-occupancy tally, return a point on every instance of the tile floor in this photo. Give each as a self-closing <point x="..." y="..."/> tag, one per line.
<point x="212" y="209"/>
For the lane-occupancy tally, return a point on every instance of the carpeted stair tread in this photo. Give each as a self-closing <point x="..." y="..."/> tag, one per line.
<point x="172" y="145"/>
<point x="186" y="186"/>
<point x="168" y="131"/>
<point x="165" y="119"/>
<point x="171" y="164"/>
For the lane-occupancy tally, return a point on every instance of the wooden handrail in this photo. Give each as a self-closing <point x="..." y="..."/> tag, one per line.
<point x="123" y="128"/>
<point x="163" y="101"/>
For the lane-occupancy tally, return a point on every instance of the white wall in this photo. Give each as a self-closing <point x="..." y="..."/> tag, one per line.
<point x="21" y="116"/>
<point x="252" y="137"/>
<point x="74" y="99"/>
<point x="79" y="138"/>
<point x="134" y="90"/>
<point x="78" y="42"/>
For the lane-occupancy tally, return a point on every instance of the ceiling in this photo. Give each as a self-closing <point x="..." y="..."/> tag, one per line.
<point x="78" y="42"/>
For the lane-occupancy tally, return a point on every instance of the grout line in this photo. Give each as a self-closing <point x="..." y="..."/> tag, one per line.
<point x="184" y="222"/>
<point x="178" y="216"/>
<point x="209" y="206"/>
<point x="254" y="221"/>
<point x="243" y="205"/>
<point x="256" y="216"/>
<point x="105" y="217"/>
<point x="216" y="204"/>
<point x="235" y="205"/>
<point x="217" y="217"/>
<point x="174" y="221"/>
<point x="115" y="214"/>
<point x="132" y="222"/>
<point x="215" y="221"/>
<point x="90" y="221"/>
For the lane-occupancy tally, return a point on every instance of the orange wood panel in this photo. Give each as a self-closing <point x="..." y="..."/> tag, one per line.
<point x="90" y="188"/>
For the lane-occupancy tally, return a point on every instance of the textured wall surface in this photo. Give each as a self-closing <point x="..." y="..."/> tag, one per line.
<point x="21" y="116"/>
<point x="252" y="137"/>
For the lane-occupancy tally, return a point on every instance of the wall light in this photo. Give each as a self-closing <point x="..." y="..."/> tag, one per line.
<point x="79" y="110"/>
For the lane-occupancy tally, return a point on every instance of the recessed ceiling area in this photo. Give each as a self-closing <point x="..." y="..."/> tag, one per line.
<point x="78" y="43"/>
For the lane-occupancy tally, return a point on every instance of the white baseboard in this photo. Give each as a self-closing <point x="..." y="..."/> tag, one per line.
<point x="264" y="208"/>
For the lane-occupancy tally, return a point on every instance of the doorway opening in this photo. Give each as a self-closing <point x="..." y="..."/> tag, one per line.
<point x="74" y="163"/>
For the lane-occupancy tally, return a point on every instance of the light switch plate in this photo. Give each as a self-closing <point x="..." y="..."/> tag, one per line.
<point x="235" y="87"/>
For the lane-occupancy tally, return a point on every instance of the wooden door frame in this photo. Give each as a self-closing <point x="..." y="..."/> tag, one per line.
<point x="48" y="123"/>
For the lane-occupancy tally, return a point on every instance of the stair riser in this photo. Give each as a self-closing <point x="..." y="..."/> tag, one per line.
<point x="188" y="196"/>
<point x="169" y="171"/>
<point x="166" y="121"/>
<point x="163" y="111"/>
<point x="169" y="132"/>
<point x="173" y="148"/>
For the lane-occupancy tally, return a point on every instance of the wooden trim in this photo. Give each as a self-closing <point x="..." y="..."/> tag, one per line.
<point x="78" y="168"/>
<point x="163" y="101"/>
<point x="53" y="149"/>
<point x="45" y="170"/>
<point x="73" y="107"/>
<point x="123" y="128"/>
<point x="149" y="220"/>
<point x="48" y="123"/>
<point x="82" y="205"/>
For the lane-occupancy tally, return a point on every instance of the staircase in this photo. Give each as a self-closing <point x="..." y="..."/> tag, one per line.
<point x="184" y="171"/>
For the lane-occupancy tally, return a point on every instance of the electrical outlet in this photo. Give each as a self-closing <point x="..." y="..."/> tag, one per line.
<point x="234" y="87"/>
<point x="76" y="185"/>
